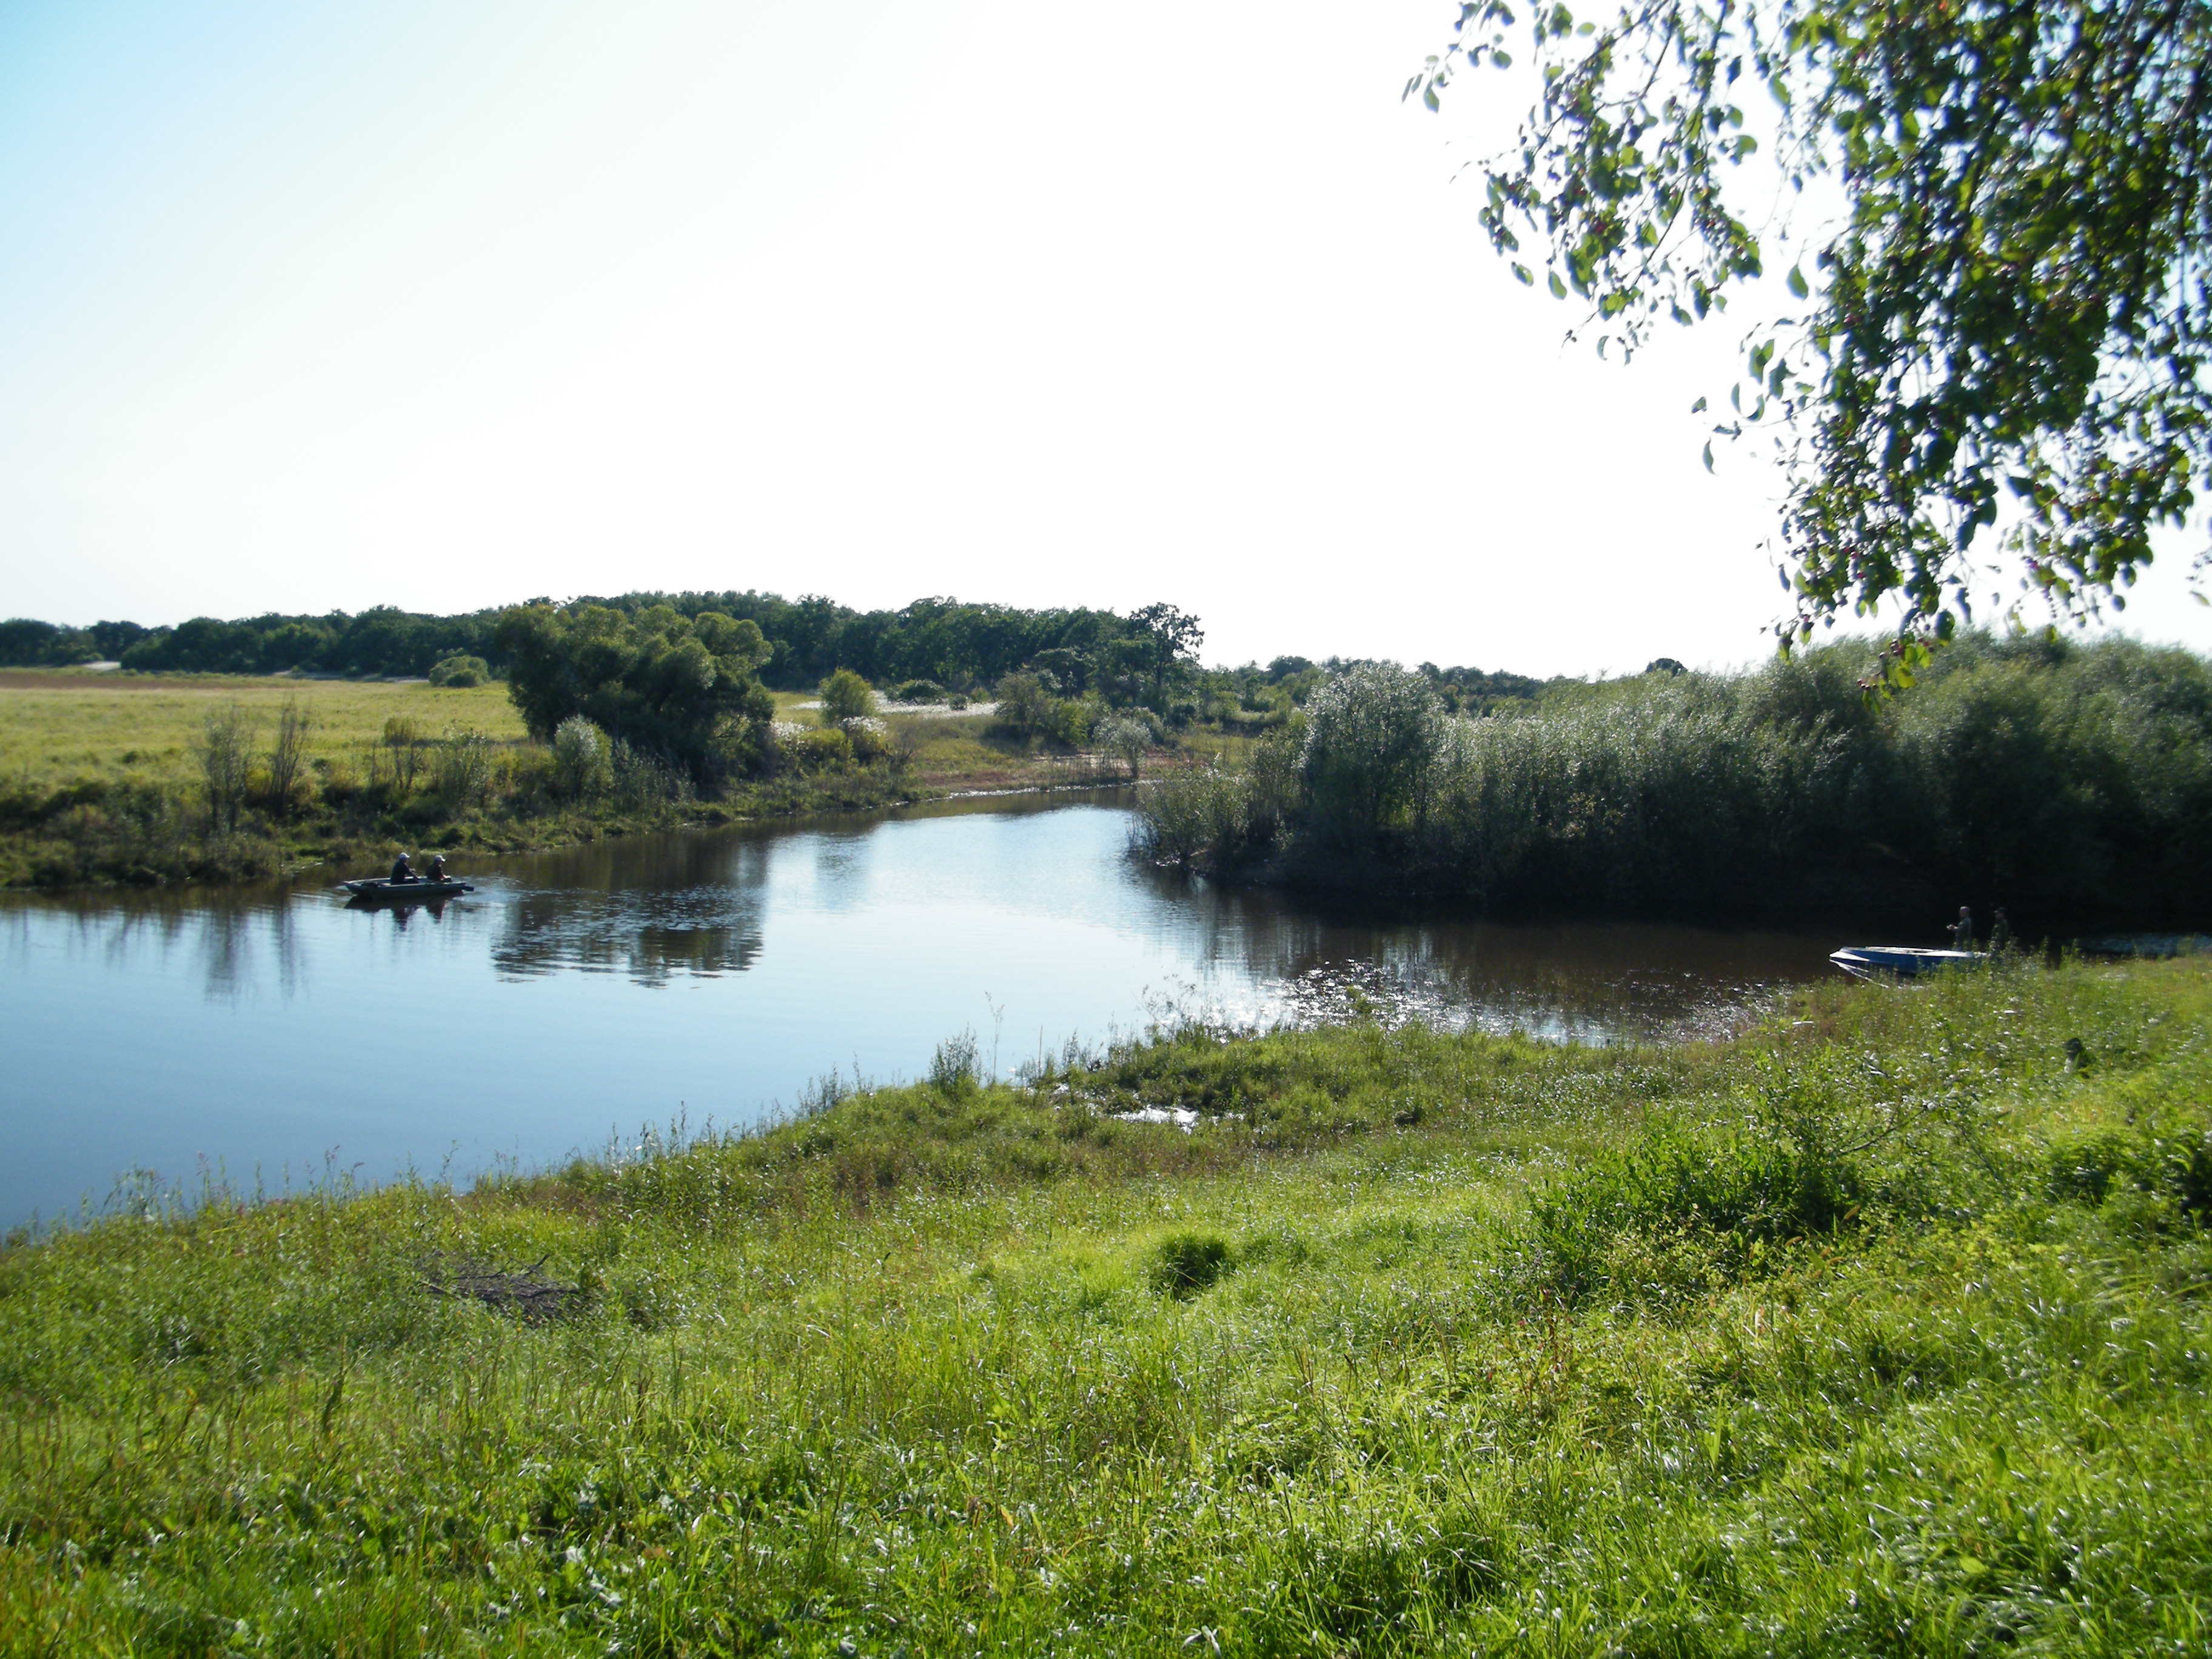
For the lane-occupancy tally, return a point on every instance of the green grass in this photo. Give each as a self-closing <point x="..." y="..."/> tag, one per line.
<point x="1880" y="1331"/>
<point x="60" y="727"/>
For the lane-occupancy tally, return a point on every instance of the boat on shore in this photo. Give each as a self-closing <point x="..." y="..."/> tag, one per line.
<point x="384" y="889"/>
<point x="1901" y="961"/>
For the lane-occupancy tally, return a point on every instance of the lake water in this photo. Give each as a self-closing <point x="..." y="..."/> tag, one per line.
<point x="274" y="1035"/>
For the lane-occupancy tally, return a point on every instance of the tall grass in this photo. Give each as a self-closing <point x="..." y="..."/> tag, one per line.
<point x="1880" y="1331"/>
<point x="2070" y="784"/>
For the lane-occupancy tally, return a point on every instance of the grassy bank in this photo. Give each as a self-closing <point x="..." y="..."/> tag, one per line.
<point x="1881" y="1330"/>
<point x="2071" y="784"/>
<point x="103" y="777"/>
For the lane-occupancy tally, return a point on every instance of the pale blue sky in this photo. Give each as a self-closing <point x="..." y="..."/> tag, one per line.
<point x="307" y="306"/>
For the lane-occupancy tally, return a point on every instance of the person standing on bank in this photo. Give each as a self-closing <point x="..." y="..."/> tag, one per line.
<point x="1962" y="931"/>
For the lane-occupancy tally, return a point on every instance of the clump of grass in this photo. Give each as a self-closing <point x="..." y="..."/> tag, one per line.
<point x="1187" y="1263"/>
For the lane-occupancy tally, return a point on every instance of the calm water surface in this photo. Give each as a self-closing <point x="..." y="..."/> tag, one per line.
<point x="276" y="1034"/>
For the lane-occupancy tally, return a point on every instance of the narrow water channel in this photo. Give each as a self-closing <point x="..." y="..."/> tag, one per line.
<point x="272" y="1036"/>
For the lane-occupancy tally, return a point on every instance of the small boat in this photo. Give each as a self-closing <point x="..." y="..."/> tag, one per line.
<point x="1901" y="961"/>
<point x="383" y="887"/>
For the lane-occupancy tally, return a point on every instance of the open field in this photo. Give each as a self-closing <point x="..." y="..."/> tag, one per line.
<point x="100" y="775"/>
<point x="1882" y="1329"/>
<point x="58" y="726"/>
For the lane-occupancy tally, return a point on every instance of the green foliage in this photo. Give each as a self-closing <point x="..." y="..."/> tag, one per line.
<point x="956" y="1068"/>
<point x="1026" y="705"/>
<point x="1374" y="735"/>
<point x="28" y="644"/>
<point x="682" y="686"/>
<point x="846" y="697"/>
<point x="580" y="764"/>
<point x="2005" y="334"/>
<point x="2073" y="785"/>
<point x="459" y="670"/>
<point x="226" y="762"/>
<point x="918" y="691"/>
<point x="1125" y="738"/>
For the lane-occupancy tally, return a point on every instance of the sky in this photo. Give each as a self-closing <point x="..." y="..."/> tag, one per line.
<point x="306" y="306"/>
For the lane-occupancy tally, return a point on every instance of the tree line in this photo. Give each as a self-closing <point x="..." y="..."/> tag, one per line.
<point x="937" y="641"/>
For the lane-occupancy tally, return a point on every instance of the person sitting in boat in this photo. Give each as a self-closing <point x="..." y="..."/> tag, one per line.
<point x="1962" y="931"/>
<point x="438" y="867"/>
<point x="402" y="872"/>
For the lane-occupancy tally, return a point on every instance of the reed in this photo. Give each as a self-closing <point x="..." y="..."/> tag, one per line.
<point x="2072" y="785"/>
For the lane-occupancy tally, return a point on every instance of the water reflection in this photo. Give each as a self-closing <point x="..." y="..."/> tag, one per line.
<point x="239" y="940"/>
<point x="652" y="910"/>
<point x="582" y="992"/>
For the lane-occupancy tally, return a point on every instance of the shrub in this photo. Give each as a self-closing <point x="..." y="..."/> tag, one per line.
<point x="460" y="770"/>
<point x="639" y="778"/>
<point x="403" y="740"/>
<point x="846" y="697"/>
<point x="288" y="757"/>
<point x="580" y="758"/>
<point x="1373" y="737"/>
<point x="918" y="691"/>
<point x="1124" y="737"/>
<point x="824" y="749"/>
<point x="956" y="1067"/>
<point x="459" y="672"/>
<point x="1024" y="705"/>
<point x="871" y="738"/>
<point x="1072" y="719"/>
<point x="226" y="759"/>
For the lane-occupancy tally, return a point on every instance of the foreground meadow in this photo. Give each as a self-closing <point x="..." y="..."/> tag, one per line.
<point x="1880" y="1330"/>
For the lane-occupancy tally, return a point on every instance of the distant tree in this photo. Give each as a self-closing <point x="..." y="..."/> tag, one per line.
<point x="1069" y="671"/>
<point x="846" y="697"/>
<point x="1173" y="637"/>
<point x="28" y="644"/>
<point x="2008" y="333"/>
<point x="1664" y="666"/>
<point x="684" y="687"/>
<point x="112" y="639"/>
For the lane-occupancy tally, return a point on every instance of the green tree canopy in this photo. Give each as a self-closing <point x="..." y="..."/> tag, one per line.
<point x="2007" y="334"/>
<point x="683" y="686"/>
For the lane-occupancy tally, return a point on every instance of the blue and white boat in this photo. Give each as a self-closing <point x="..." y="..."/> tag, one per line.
<point x="1900" y="961"/>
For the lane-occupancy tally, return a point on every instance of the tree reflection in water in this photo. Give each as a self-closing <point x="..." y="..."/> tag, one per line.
<point x="229" y="930"/>
<point x="677" y="905"/>
<point x="1324" y="960"/>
